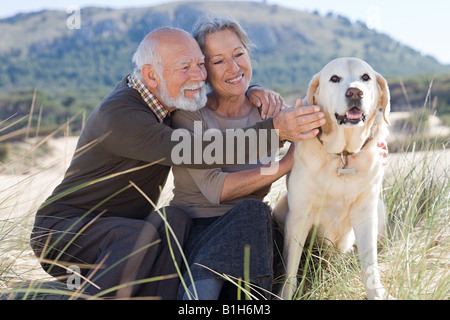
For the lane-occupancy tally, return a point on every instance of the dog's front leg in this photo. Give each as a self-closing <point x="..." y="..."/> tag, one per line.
<point x="296" y="230"/>
<point x="365" y="225"/>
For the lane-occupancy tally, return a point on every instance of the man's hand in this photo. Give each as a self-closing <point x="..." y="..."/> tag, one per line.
<point x="270" y="102"/>
<point x="299" y="123"/>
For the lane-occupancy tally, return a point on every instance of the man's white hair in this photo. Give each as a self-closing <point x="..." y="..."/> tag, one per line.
<point x="146" y="53"/>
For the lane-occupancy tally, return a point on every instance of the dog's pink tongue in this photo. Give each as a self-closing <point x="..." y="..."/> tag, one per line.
<point x="354" y="113"/>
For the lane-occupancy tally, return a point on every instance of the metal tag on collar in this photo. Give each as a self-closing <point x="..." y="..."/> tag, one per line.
<point x="344" y="169"/>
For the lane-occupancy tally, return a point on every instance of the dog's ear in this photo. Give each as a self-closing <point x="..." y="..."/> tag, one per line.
<point x="312" y="91"/>
<point x="384" y="100"/>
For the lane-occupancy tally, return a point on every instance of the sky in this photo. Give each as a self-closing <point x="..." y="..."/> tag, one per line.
<point x="422" y="25"/>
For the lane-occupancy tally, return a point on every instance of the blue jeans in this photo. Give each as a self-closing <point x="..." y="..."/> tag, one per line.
<point x="218" y="244"/>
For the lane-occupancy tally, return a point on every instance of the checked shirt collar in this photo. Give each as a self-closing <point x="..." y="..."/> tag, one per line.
<point x="158" y="109"/>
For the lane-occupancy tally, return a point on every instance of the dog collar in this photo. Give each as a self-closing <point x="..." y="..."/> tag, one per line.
<point x="344" y="156"/>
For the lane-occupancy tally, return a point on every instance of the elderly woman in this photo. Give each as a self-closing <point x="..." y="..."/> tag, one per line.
<point x="226" y="204"/>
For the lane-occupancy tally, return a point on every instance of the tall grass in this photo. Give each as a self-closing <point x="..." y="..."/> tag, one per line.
<point x="413" y="256"/>
<point x="418" y="231"/>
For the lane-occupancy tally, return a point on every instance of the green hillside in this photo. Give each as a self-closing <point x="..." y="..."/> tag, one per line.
<point x="73" y="69"/>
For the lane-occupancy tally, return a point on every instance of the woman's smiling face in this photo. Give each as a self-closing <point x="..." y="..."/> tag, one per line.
<point x="228" y="63"/>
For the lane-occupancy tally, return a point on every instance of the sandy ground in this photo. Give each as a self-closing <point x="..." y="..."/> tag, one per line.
<point x="435" y="128"/>
<point x="21" y="195"/>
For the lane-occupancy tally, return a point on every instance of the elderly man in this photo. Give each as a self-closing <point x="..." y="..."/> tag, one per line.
<point x="98" y="218"/>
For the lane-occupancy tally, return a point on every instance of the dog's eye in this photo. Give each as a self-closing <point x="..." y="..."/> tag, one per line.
<point x="335" y="79"/>
<point x="365" y="77"/>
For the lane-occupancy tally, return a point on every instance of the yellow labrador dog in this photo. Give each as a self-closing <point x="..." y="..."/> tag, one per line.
<point x="335" y="182"/>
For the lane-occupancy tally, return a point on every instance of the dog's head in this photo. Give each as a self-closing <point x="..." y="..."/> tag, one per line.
<point x="350" y="93"/>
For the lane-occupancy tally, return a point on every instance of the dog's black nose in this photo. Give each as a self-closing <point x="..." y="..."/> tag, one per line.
<point x="354" y="93"/>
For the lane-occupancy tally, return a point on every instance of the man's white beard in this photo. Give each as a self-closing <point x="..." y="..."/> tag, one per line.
<point x="182" y="102"/>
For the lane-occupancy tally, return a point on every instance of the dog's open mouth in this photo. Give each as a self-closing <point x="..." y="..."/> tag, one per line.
<point x="352" y="116"/>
